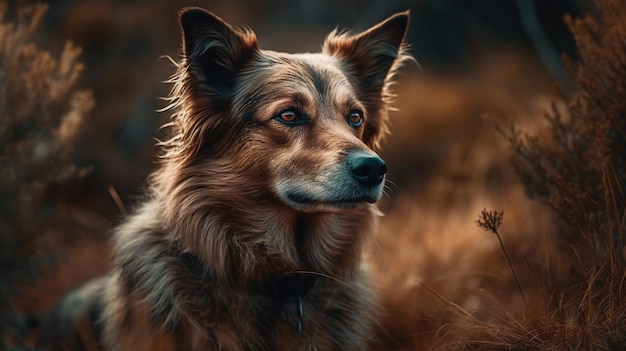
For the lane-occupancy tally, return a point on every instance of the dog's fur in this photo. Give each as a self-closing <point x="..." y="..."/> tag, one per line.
<point x="251" y="233"/>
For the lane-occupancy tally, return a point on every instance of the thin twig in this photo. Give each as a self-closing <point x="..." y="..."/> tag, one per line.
<point x="508" y="260"/>
<point x="490" y="221"/>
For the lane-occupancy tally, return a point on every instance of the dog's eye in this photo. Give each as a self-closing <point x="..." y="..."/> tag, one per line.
<point x="355" y="118"/>
<point x="290" y="117"/>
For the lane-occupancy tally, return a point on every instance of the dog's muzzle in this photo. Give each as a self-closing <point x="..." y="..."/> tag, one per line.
<point x="367" y="169"/>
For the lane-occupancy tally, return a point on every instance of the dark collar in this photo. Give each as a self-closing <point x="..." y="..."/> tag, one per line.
<point x="291" y="284"/>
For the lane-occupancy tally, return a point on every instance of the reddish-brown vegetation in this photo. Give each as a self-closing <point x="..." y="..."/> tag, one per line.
<point x="572" y="272"/>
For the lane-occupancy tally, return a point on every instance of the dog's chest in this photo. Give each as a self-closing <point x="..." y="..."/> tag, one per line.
<point x="311" y="322"/>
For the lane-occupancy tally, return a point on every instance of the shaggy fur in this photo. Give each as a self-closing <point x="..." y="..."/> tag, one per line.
<point x="251" y="233"/>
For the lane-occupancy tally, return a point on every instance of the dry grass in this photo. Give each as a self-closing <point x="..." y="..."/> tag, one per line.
<point x="580" y="173"/>
<point x="446" y="286"/>
<point x="575" y="289"/>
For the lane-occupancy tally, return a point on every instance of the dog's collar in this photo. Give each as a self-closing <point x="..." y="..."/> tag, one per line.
<point x="290" y="284"/>
<point x="293" y="284"/>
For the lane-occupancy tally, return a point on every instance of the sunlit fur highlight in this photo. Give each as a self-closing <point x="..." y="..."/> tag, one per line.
<point x="246" y="216"/>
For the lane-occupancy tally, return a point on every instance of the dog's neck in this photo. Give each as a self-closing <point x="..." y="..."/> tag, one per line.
<point x="278" y="287"/>
<point x="294" y="284"/>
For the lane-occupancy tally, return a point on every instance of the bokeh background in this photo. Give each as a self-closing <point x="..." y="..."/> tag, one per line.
<point x="482" y="64"/>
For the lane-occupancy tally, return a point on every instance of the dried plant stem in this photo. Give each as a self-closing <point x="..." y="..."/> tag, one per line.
<point x="508" y="261"/>
<point x="490" y="221"/>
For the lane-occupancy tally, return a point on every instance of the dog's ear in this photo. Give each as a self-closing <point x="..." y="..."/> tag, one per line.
<point x="215" y="48"/>
<point x="214" y="54"/>
<point x="370" y="60"/>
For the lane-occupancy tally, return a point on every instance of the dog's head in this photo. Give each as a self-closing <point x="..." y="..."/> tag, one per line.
<point x="305" y="126"/>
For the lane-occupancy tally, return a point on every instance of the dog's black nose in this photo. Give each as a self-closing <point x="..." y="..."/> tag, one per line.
<point x="367" y="169"/>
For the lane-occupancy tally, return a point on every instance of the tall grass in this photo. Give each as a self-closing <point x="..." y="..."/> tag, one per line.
<point x="580" y="173"/>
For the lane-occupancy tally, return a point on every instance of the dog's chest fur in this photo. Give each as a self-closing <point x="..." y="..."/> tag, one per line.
<point x="327" y="320"/>
<point x="198" y="311"/>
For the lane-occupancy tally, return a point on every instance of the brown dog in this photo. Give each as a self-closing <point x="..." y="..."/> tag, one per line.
<point x="250" y="236"/>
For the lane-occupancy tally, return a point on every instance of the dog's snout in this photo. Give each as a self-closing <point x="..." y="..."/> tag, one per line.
<point x="369" y="170"/>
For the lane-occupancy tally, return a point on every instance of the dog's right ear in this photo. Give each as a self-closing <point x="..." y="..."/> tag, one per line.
<point x="215" y="48"/>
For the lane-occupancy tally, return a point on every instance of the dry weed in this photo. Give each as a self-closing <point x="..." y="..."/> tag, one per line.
<point x="580" y="173"/>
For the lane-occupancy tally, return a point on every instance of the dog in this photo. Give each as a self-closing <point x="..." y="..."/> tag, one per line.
<point x="251" y="232"/>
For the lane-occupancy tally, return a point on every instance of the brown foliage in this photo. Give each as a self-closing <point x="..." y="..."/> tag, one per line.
<point x="580" y="173"/>
<point x="40" y="110"/>
<point x="40" y="114"/>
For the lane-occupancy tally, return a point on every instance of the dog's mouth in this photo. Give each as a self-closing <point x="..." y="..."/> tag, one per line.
<point x="306" y="200"/>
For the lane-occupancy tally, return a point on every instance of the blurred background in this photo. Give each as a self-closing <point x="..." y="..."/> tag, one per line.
<point x="494" y="60"/>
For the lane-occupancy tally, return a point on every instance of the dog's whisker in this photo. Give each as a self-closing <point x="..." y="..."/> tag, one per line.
<point x="389" y="183"/>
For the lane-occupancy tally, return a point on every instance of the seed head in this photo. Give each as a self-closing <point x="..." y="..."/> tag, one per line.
<point x="490" y="220"/>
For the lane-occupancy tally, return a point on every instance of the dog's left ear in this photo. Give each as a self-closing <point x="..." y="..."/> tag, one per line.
<point x="370" y="60"/>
